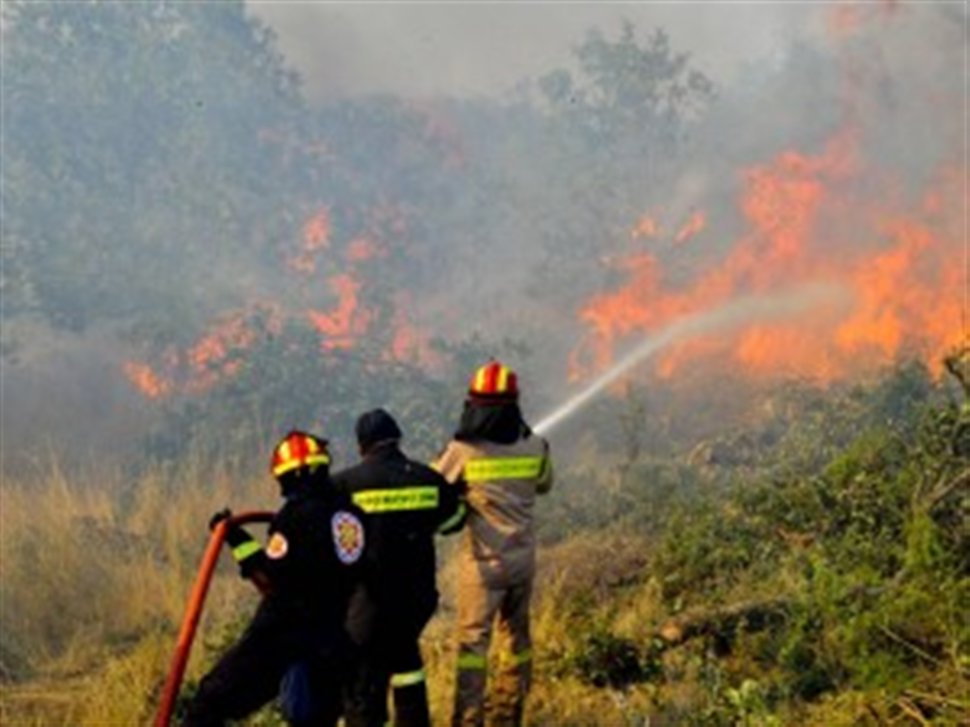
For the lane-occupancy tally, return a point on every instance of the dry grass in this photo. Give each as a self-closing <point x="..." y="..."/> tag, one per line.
<point x="578" y="583"/>
<point x="95" y="571"/>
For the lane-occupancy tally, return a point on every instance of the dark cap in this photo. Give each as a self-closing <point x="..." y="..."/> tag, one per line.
<point x="376" y="426"/>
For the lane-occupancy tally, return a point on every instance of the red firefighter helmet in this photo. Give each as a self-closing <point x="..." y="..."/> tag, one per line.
<point x="494" y="382"/>
<point x="296" y="450"/>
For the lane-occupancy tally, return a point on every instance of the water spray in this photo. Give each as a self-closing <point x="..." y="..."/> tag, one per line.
<point x="733" y="314"/>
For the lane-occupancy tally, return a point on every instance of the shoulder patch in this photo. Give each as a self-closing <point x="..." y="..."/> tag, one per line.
<point x="277" y="546"/>
<point x="348" y="536"/>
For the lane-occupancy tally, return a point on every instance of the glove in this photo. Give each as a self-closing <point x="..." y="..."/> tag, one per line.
<point x="223" y="514"/>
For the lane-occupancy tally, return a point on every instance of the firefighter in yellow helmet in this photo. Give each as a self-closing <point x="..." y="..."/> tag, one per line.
<point x="502" y="465"/>
<point x="306" y="572"/>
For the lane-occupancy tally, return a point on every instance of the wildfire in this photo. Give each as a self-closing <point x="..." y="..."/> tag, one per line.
<point x="834" y="215"/>
<point x="316" y="237"/>
<point x="806" y="221"/>
<point x="646" y="227"/>
<point x="694" y="225"/>
<point x="219" y="353"/>
<point x="216" y="355"/>
<point x="360" y="249"/>
<point x="342" y="325"/>
<point x="144" y="378"/>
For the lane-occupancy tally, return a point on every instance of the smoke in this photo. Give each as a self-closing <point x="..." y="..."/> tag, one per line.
<point x="491" y="225"/>
<point x="742" y="311"/>
<point x="464" y="50"/>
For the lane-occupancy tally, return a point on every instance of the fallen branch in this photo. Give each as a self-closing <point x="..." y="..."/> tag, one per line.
<point x="753" y="615"/>
<point x="937" y="699"/>
<point x="910" y="709"/>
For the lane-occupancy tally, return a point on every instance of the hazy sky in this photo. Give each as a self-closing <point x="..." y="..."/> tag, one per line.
<point x="464" y="48"/>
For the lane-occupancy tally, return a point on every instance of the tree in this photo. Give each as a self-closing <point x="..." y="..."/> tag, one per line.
<point x="626" y="92"/>
<point x="133" y="156"/>
<point x="619" y="125"/>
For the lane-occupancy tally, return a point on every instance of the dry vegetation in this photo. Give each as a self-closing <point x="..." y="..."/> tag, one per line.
<point x="835" y="597"/>
<point x="96" y="568"/>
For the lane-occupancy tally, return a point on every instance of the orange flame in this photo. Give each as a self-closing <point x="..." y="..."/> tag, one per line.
<point x="808" y="220"/>
<point x="316" y="237"/>
<point x="695" y="224"/>
<point x="218" y="354"/>
<point x="215" y="355"/>
<point x="346" y="321"/>
<point x="144" y="378"/>
<point x="646" y="227"/>
<point x="361" y="249"/>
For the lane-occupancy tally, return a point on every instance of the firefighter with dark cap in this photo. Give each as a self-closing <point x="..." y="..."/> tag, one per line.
<point x="502" y="466"/>
<point x="307" y="573"/>
<point x="406" y="503"/>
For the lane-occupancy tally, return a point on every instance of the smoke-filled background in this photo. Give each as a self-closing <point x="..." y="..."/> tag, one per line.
<point x="222" y="220"/>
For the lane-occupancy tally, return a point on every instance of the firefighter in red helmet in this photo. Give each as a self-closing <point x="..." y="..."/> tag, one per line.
<point x="502" y="465"/>
<point x="307" y="572"/>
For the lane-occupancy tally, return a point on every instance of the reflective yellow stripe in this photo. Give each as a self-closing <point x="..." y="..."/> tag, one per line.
<point x="407" y="679"/>
<point x="454" y="519"/>
<point x="503" y="468"/>
<point x="503" y="380"/>
<point x="311" y="460"/>
<point x="480" y="379"/>
<point x="398" y="499"/>
<point x="244" y="550"/>
<point x="471" y="662"/>
<point x="519" y="659"/>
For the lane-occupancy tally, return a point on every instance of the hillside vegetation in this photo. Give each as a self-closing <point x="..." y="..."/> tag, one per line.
<point x="821" y="578"/>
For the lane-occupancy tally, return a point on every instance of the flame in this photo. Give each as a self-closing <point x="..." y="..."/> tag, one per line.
<point x="646" y="227"/>
<point x="807" y="219"/>
<point x="220" y="353"/>
<point x="347" y="321"/>
<point x="695" y="224"/>
<point x="216" y="354"/>
<point x="144" y="378"/>
<point x="360" y="249"/>
<point x="316" y="237"/>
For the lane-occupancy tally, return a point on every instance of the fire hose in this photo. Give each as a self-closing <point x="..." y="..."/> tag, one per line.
<point x="193" y="610"/>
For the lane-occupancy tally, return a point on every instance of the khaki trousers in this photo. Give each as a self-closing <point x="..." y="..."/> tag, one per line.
<point x="479" y="606"/>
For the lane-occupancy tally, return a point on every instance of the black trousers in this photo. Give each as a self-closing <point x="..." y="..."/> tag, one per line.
<point x="248" y="675"/>
<point x="391" y="658"/>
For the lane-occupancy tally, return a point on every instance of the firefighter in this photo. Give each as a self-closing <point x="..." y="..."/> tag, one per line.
<point x="306" y="573"/>
<point x="406" y="503"/>
<point x="502" y="465"/>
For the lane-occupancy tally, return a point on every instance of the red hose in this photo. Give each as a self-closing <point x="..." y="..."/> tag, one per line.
<point x="193" y="611"/>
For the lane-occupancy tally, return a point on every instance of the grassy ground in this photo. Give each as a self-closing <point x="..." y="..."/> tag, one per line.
<point x="852" y="585"/>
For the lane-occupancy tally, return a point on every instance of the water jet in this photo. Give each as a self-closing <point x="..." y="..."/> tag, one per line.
<point x="735" y="313"/>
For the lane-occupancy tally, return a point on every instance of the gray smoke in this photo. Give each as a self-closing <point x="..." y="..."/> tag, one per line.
<point x="460" y="50"/>
<point x="784" y="80"/>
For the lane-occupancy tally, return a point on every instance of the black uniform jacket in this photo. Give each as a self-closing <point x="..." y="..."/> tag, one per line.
<point x="311" y="562"/>
<point x="406" y="503"/>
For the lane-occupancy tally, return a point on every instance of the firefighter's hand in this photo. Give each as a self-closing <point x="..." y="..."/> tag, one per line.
<point x="224" y="514"/>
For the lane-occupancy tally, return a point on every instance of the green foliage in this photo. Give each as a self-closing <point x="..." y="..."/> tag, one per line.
<point x="615" y="129"/>
<point x="627" y="88"/>
<point x="606" y="660"/>
<point x="142" y="151"/>
<point x="865" y="553"/>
